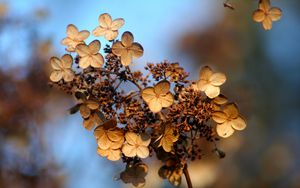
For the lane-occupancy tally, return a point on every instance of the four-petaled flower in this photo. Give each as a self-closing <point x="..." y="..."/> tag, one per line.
<point x="89" y="55"/>
<point x="62" y="68"/>
<point x="228" y="120"/>
<point x="107" y="27"/>
<point x="127" y="49"/>
<point x="266" y="14"/>
<point x="136" y="145"/>
<point x="74" y="37"/>
<point x="135" y="174"/>
<point x="168" y="138"/>
<point x="209" y="82"/>
<point x="158" y="96"/>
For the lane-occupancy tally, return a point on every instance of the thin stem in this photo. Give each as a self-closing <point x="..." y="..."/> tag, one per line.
<point x="187" y="176"/>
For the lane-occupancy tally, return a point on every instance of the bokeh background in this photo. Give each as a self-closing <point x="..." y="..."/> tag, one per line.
<point x="42" y="146"/>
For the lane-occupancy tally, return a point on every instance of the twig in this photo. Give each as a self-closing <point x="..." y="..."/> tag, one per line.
<point x="187" y="176"/>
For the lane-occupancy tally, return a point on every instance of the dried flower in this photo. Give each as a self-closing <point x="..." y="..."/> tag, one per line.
<point x="107" y="27"/>
<point x="136" y="145"/>
<point x="209" y="82"/>
<point x="127" y="49"/>
<point x="89" y="55"/>
<point x="135" y="174"/>
<point x="168" y="138"/>
<point x="86" y="108"/>
<point x="228" y="120"/>
<point x="158" y="96"/>
<point x="92" y="121"/>
<point x="266" y="14"/>
<point x="62" y="68"/>
<point x="74" y="37"/>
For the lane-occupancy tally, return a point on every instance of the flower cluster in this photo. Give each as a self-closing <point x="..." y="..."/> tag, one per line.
<point x="166" y="114"/>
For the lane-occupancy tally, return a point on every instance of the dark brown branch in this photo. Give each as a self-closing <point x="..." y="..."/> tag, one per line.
<point x="187" y="176"/>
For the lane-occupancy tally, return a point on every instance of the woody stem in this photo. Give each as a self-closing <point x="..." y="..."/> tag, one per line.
<point x="187" y="176"/>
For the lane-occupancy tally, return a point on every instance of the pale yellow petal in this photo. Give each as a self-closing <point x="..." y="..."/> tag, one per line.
<point x="85" y="62"/>
<point x="167" y="100"/>
<point x="115" y="135"/>
<point x="239" y="123"/>
<point x="275" y="14"/>
<point x="72" y="31"/>
<point x="136" y="50"/>
<point x="231" y="110"/>
<point x="98" y="132"/>
<point x="126" y="59"/>
<point x="258" y="16"/>
<point x="102" y="152"/>
<point x="99" y="31"/>
<point x="202" y="84"/>
<point x="142" y="152"/>
<point x="264" y="5"/>
<point x="104" y="142"/>
<point x="118" y="48"/>
<point x="94" y="46"/>
<point x="219" y="117"/>
<point x="82" y="50"/>
<point x="67" y="61"/>
<point x="212" y="91"/>
<point x="205" y="73"/>
<point x="162" y="88"/>
<point x="117" y="23"/>
<point x="220" y="100"/>
<point x="114" y="154"/>
<point x="155" y="105"/>
<point x="131" y="138"/>
<point x="129" y="150"/>
<point x="224" y="130"/>
<point x="111" y="35"/>
<point x="55" y="76"/>
<point x="105" y="20"/>
<point x="217" y="79"/>
<point x="68" y="75"/>
<point x="127" y="39"/>
<point x="148" y="94"/>
<point x="82" y="35"/>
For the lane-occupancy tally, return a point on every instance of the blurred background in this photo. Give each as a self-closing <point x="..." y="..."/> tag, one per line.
<point x="42" y="146"/>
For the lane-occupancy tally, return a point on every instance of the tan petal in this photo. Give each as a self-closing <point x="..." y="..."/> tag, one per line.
<point x="127" y="39"/>
<point x="205" y="73"/>
<point x="148" y="94"/>
<point x="258" y="15"/>
<point x="82" y="50"/>
<point x="155" y="105"/>
<point x="99" y="31"/>
<point x="224" y="130"/>
<point x="264" y="5"/>
<point x="166" y="100"/>
<point x="267" y="23"/>
<point x="117" y="144"/>
<point x="114" y="155"/>
<point x="202" y="85"/>
<point x="82" y="35"/>
<point x="67" y="61"/>
<point x="56" y="63"/>
<point x="217" y="79"/>
<point x="55" y="76"/>
<point x="85" y="62"/>
<point x="131" y="138"/>
<point x="212" y="91"/>
<point x="69" y="43"/>
<point x="219" y="117"/>
<point x="94" y="47"/>
<point x="115" y="135"/>
<point x="84" y="111"/>
<point x="88" y="123"/>
<point x="220" y="100"/>
<point x="126" y="59"/>
<point x="129" y="150"/>
<point x="105" y="20"/>
<point x="98" y="132"/>
<point x="68" y="75"/>
<point x="117" y="23"/>
<point x="136" y="50"/>
<point x="162" y="88"/>
<point x="118" y="49"/>
<point x="102" y="152"/>
<point x="166" y="144"/>
<point x="231" y="110"/>
<point x="104" y="142"/>
<point x="275" y="14"/>
<point x="142" y="152"/>
<point x="111" y="35"/>
<point x="93" y="105"/>
<point x="144" y="139"/>
<point x="97" y="61"/>
<point x="72" y="31"/>
<point x="239" y="123"/>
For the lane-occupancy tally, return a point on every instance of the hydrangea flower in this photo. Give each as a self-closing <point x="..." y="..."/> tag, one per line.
<point x="127" y="49"/>
<point x="266" y="14"/>
<point x="228" y="120"/>
<point x="209" y="82"/>
<point x="107" y="27"/>
<point x="89" y="55"/>
<point x="168" y="138"/>
<point x="136" y="145"/>
<point x="62" y="68"/>
<point x="74" y="37"/>
<point x="158" y="96"/>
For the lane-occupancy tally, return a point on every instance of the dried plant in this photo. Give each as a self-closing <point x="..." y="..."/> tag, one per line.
<point x="167" y="114"/>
